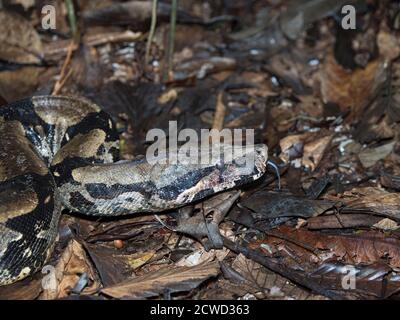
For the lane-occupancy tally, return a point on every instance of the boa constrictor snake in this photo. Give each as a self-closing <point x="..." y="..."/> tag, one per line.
<point x="62" y="152"/>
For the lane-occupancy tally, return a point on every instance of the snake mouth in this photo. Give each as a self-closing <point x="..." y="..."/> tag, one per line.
<point x="246" y="166"/>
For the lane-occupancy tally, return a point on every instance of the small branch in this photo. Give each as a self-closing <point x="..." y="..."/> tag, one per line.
<point x="64" y="75"/>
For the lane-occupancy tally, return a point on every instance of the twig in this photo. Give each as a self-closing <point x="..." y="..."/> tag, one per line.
<point x="300" y="244"/>
<point x="163" y="223"/>
<point x="111" y="37"/>
<point x="278" y="268"/>
<point x="281" y="236"/>
<point x="220" y="110"/>
<point x="63" y="75"/>
<point x="152" y="31"/>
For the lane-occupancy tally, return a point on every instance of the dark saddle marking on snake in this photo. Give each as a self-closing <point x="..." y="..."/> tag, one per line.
<point x="62" y="152"/>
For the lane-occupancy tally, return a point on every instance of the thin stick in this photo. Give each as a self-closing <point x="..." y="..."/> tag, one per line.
<point x="63" y="75"/>
<point x="278" y="268"/>
<point x="152" y="31"/>
<point x="220" y="111"/>
<point x="171" y="42"/>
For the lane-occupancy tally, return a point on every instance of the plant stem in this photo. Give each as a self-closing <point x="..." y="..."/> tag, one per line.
<point x="71" y="16"/>
<point x="172" y="30"/>
<point x="152" y="31"/>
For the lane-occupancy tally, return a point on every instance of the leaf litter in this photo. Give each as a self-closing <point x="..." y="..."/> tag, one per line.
<point x="325" y="101"/>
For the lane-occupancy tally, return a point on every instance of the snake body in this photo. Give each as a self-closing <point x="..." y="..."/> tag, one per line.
<point x="62" y="152"/>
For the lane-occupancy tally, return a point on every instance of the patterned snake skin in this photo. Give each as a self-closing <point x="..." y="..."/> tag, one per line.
<point x="62" y="152"/>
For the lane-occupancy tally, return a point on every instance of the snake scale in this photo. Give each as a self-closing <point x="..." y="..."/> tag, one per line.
<point x="62" y="153"/>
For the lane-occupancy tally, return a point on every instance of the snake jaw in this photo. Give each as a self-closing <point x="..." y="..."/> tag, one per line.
<point x="248" y="167"/>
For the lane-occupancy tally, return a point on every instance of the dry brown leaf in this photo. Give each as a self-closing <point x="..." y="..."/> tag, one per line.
<point x="171" y="279"/>
<point x="361" y="248"/>
<point x="202" y="256"/>
<point x="263" y="85"/>
<point x="168" y="96"/>
<point x="314" y="151"/>
<point x="28" y="289"/>
<point x="388" y="42"/>
<point x="311" y="106"/>
<point x="350" y="90"/>
<point x="371" y="156"/>
<point x="72" y="263"/>
<point x="111" y="267"/>
<point x="140" y="259"/>
<point x="354" y="221"/>
<point x="375" y="199"/>
<point x="292" y="147"/>
<point x="265" y="284"/>
<point x="20" y="43"/>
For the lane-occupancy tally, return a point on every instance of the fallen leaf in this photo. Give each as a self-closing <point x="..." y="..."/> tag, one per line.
<point x="376" y="200"/>
<point x="20" y="41"/>
<point x="71" y="265"/>
<point x="386" y="225"/>
<point x="266" y="284"/>
<point x="356" y="220"/>
<point x="314" y="151"/>
<point x="111" y="266"/>
<point x="388" y="42"/>
<point x="292" y="146"/>
<point x="350" y="90"/>
<point x="371" y="156"/>
<point x="268" y="205"/>
<point x="139" y="259"/>
<point x="357" y="248"/>
<point x="375" y="281"/>
<point x="172" y="279"/>
<point x="202" y="256"/>
<point x="28" y="289"/>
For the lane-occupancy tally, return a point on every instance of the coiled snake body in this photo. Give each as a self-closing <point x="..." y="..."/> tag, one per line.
<point x="62" y="152"/>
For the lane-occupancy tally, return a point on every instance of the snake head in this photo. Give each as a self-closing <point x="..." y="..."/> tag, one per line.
<point x="237" y="166"/>
<point x="144" y="186"/>
<point x="230" y="168"/>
